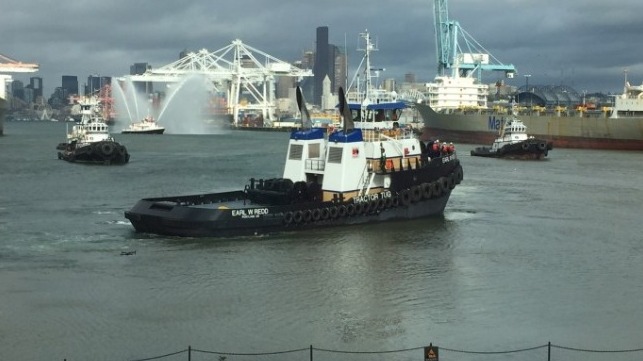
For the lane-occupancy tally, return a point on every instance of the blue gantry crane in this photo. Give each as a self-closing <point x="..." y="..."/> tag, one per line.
<point x="458" y="53"/>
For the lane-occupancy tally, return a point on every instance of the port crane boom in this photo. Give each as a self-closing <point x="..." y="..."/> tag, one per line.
<point x="458" y="53"/>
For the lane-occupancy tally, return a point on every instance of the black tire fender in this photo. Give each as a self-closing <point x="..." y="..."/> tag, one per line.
<point x="316" y="214"/>
<point x="341" y="211"/>
<point x="444" y="185"/>
<point x="288" y="217"/>
<point x="427" y="190"/>
<point x="405" y="197"/>
<point x="416" y="194"/>
<point x="298" y="216"/>
<point x="324" y="213"/>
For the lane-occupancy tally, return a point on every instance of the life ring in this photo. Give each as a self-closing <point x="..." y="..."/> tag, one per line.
<point x="350" y="210"/>
<point x="298" y="216"/>
<point x="542" y="146"/>
<point x="107" y="149"/>
<point x="333" y="212"/>
<point x="341" y="212"/>
<point x="416" y="194"/>
<point x="324" y="214"/>
<point x="308" y="215"/>
<point x="405" y="197"/>
<point x="122" y="151"/>
<point x="427" y="190"/>
<point x="288" y="217"/>
<point x="525" y="146"/>
<point x="316" y="214"/>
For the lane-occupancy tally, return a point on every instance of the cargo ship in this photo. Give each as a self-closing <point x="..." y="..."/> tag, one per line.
<point x="455" y="103"/>
<point x="620" y="128"/>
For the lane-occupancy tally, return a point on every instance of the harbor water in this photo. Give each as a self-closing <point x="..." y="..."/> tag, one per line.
<point x="526" y="253"/>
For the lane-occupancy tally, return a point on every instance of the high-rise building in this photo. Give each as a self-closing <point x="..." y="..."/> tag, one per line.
<point x="35" y="83"/>
<point x="70" y="85"/>
<point x="18" y="89"/>
<point x="409" y="78"/>
<point x="95" y="83"/>
<point x="322" y="65"/>
<point x="340" y="78"/>
<point x="138" y="69"/>
<point x="308" y="60"/>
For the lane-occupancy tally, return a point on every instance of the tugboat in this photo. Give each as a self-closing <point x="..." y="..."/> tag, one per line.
<point x="373" y="173"/>
<point x="514" y="143"/>
<point x="89" y="141"/>
<point x="354" y="176"/>
<point x="146" y="126"/>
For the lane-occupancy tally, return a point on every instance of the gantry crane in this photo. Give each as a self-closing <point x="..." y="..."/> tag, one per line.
<point x="8" y="65"/>
<point x="232" y="70"/>
<point x="464" y="58"/>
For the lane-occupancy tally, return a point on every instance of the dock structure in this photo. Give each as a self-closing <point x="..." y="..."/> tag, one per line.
<point x="9" y="65"/>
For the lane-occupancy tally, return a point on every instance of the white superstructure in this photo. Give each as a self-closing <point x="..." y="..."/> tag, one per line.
<point x="447" y="92"/>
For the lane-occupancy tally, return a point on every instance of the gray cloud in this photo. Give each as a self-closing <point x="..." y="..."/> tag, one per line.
<point x="585" y="44"/>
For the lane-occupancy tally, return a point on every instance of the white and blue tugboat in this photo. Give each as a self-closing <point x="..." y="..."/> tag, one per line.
<point x="89" y="141"/>
<point x="370" y="170"/>
<point x="353" y="176"/>
<point x="513" y="142"/>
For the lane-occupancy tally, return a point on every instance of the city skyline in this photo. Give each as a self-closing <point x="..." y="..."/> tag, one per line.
<point x="555" y="43"/>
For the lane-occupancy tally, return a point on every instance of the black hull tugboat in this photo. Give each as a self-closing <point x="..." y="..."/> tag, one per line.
<point x="354" y="176"/>
<point x="90" y="142"/>
<point x="514" y="143"/>
<point x="371" y="170"/>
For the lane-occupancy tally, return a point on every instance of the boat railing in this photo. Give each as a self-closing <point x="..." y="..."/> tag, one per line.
<point x="375" y="135"/>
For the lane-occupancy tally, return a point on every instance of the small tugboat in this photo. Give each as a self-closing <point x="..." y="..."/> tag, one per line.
<point x="514" y="143"/>
<point x="89" y="141"/>
<point x="146" y="126"/>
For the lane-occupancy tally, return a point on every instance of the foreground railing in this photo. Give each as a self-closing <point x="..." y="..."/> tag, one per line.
<point x="547" y="352"/>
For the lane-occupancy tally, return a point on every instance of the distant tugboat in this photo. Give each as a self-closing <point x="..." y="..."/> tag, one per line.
<point x="146" y="126"/>
<point x="514" y="143"/>
<point x="89" y="141"/>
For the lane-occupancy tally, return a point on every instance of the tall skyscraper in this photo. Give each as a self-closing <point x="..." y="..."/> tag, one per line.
<point x="35" y="83"/>
<point x="321" y="68"/>
<point x="340" y="78"/>
<point x="95" y="83"/>
<point x="18" y="89"/>
<point x="70" y="85"/>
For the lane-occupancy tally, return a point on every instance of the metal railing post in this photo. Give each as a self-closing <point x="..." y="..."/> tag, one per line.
<point x="549" y="351"/>
<point x="311" y="352"/>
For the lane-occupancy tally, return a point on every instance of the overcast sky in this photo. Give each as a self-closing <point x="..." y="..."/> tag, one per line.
<point x="585" y="44"/>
